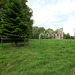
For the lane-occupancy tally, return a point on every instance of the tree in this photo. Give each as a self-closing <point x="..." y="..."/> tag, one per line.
<point x="15" y="22"/>
<point x="72" y="37"/>
<point x="41" y="29"/>
<point x="36" y="31"/>
<point x="67" y="36"/>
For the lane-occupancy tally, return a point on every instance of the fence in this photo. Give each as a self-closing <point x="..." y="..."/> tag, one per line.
<point x="5" y="40"/>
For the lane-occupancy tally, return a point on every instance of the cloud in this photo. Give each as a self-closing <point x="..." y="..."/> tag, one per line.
<point x="54" y="14"/>
<point x="69" y="25"/>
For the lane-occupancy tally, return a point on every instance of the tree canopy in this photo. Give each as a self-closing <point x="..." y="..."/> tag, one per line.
<point x="2" y="3"/>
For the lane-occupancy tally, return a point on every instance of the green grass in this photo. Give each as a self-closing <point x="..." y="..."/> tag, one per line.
<point x="41" y="57"/>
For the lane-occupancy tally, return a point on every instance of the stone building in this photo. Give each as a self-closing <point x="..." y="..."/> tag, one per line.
<point x="57" y="35"/>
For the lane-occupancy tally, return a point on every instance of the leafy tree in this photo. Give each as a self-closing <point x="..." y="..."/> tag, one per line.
<point x="41" y="29"/>
<point x="64" y="35"/>
<point x="72" y="37"/>
<point x="67" y="36"/>
<point x="16" y="20"/>
<point x="37" y="31"/>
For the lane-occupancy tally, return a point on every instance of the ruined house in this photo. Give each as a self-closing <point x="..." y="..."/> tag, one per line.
<point x="54" y="35"/>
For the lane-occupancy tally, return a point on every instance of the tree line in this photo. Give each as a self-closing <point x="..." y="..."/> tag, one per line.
<point x="37" y="30"/>
<point x="67" y="36"/>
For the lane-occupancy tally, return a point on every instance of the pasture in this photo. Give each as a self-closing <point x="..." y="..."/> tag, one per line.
<point x="41" y="57"/>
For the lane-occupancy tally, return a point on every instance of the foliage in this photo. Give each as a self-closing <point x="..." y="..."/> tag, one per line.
<point x="36" y="31"/>
<point x="16" y="21"/>
<point x="72" y="37"/>
<point x="48" y="30"/>
<point x="42" y="57"/>
<point x="28" y="13"/>
<point x="2" y="3"/>
<point x="68" y="36"/>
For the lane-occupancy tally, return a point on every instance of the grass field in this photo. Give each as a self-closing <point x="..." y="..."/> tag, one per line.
<point x="41" y="57"/>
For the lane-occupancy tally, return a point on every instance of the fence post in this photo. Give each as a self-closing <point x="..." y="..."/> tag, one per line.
<point x="24" y="42"/>
<point x="28" y="42"/>
<point x="1" y="42"/>
<point x="73" y="71"/>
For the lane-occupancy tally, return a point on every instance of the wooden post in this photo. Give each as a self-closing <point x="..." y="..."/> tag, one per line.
<point x="1" y="42"/>
<point x="28" y="42"/>
<point x="73" y="71"/>
<point x="24" y="42"/>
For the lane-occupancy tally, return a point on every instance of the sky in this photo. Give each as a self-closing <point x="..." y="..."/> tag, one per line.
<point x="54" y="14"/>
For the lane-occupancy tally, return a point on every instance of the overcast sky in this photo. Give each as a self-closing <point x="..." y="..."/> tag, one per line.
<point x="54" y="14"/>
